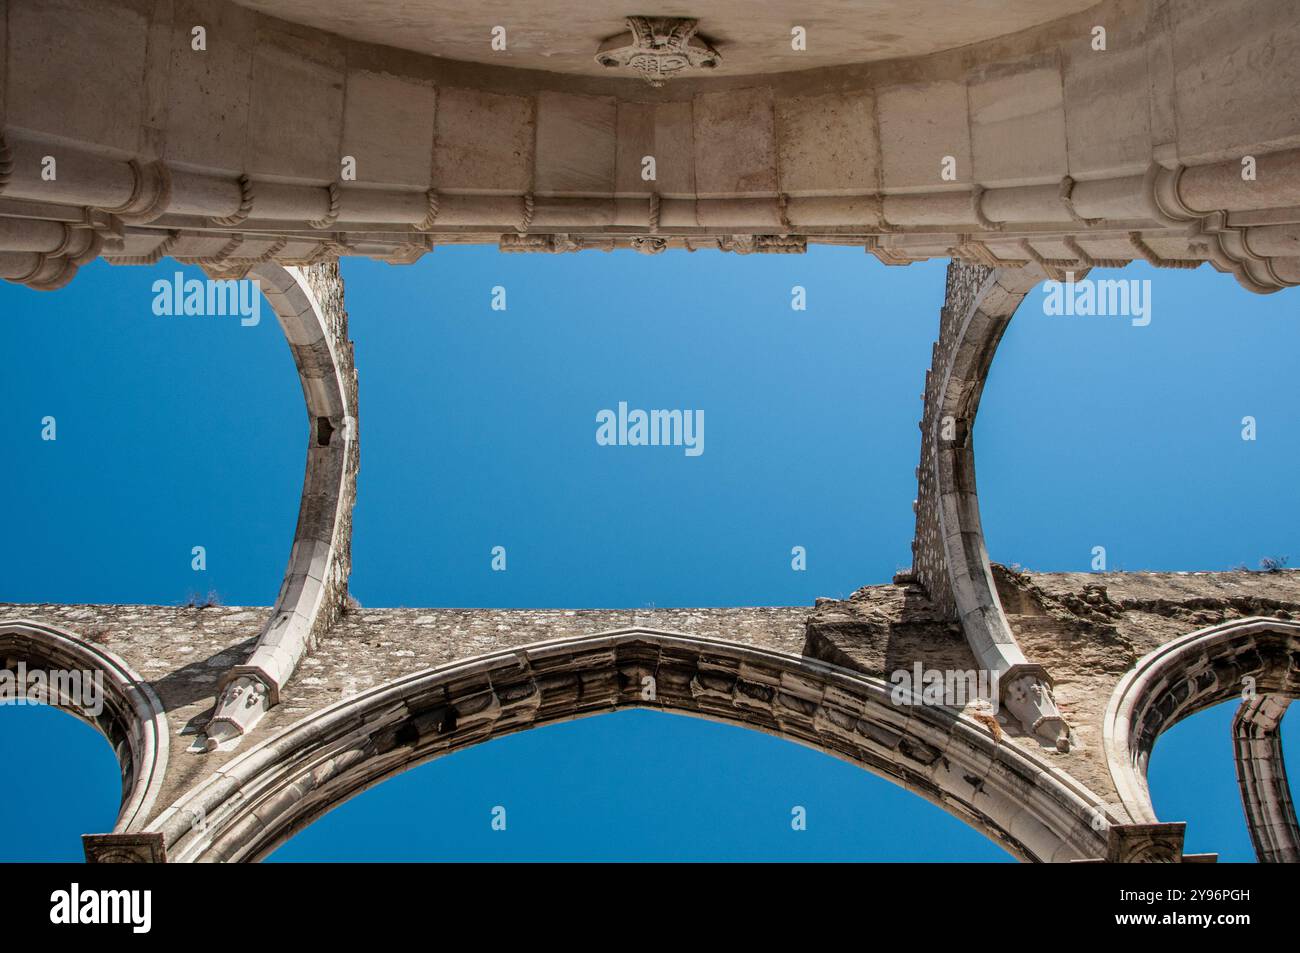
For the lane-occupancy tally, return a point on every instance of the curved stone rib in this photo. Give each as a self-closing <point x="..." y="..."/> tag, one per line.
<point x="309" y="305"/>
<point x="129" y="713"/>
<point x="261" y="798"/>
<point x="949" y="555"/>
<point x="1255" y="656"/>
<point x="1261" y="772"/>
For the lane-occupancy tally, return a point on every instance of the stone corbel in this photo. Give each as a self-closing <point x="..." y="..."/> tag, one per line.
<point x="1026" y="691"/>
<point x="144" y="847"/>
<point x="246" y="694"/>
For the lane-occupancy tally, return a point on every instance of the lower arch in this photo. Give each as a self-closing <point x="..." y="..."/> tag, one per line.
<point x="263" y="797"/>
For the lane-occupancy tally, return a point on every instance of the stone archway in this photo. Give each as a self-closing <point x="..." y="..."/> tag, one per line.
<point x="1256" y="659"/>
<point x="258" y="800"/>
<point x="129" y="714"/>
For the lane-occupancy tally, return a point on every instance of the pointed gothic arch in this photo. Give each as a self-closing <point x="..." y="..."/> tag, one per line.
<point x="258" y="800"/>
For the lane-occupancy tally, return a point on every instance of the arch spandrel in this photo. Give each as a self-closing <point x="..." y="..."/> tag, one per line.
<point x="1062" y="159"/>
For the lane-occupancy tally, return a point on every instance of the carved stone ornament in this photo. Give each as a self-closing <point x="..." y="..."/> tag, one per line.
<point x="1145" y="843"/>
<point x="657" y="48"/>
<point x="240" y="706"/>
<point x="138" y="848"/>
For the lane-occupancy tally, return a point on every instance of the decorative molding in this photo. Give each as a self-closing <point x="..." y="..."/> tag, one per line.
<point x="140" y="848"/>
<point x="431" y="215"/>
<point x="659" y="48"/>
<point x="332" y="213"/>
<point x="1185" y="676"/>
<point x="246" y="198"/>
<point x="151" y="192"/>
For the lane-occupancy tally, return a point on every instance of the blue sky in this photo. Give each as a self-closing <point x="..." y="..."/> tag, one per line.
<point x="477" y="430"/>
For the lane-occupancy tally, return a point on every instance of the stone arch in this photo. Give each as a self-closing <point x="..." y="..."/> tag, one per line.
<point x="309" y="306"/>
<point x="1193" y="673"/>
<point x="1261" y="774"/>
<point x="949" y="556"/>
<point x="258" y="800"/>
<point x="131" y="717"/>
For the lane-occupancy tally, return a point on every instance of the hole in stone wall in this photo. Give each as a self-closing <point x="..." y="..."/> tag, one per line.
<point x="324" y="430"/>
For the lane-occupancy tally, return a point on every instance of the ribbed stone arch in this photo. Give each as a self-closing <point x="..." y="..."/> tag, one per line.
<point x="309" y="306"/>
<point x="258" y="800"/>
<point x="1245" y="658"/>
<point x="1261" y="774"/>
<point x="132" y="718"/>
<point x="949" y="555"/>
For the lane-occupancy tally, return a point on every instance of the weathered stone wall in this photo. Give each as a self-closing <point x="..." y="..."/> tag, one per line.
<point x="183" y="652"/>
<point x="1089" y="628"/>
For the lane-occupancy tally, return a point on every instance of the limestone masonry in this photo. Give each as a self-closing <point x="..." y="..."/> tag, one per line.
<point x="1024" y="141"/>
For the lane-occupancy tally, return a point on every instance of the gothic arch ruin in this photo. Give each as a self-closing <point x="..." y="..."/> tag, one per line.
<point x="258" y="800"/>
<point x="1014" y="145"/>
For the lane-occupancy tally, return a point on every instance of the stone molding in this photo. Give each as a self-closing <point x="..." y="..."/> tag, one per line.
<point x="844" y="155"/>
<point x="141" y="848"/>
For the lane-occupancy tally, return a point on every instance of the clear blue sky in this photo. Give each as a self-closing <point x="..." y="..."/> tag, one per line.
<point x="477" y="430"/>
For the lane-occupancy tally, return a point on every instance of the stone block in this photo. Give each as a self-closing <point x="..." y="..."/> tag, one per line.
<point x="208" y="92"/>
<point x="576" y="144"/>
<point x="1107" y="116"/>
<point x="827" y="144"/>
<point x="288" y="127"/>
<point x="75" y="69"/>
<point x="388" y="127"/>
<point x="483" y="142"/>
<point x="661" y="130"/>
<point x="735" y="143"/>
<point x="1236" y="77"/>
<point x="919" y="126"/>
<point x="1017" y="122"/>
